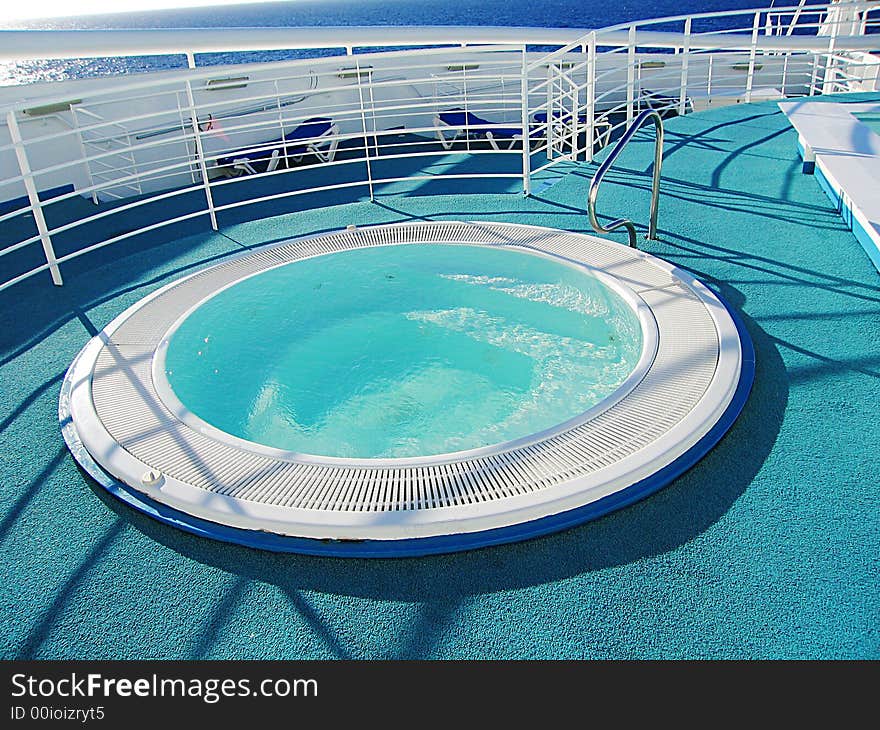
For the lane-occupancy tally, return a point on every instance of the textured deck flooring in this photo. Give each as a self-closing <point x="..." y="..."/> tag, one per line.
<point x="769" y="547"/>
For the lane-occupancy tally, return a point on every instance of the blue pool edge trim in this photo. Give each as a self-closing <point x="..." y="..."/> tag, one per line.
<point x="419" y="547"/>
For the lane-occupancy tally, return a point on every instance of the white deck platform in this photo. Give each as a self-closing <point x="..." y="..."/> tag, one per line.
<point x="846" y="156"/>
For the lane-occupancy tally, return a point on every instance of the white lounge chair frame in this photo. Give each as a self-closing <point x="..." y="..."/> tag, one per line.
<point x="463" y="130"/>
<point x="243" y="166"/>
<point x="313" y="146"/>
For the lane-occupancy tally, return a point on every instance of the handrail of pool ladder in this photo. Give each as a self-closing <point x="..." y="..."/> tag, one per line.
<point x="637" y="123"/>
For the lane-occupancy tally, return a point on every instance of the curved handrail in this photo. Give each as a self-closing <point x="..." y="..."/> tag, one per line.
<point x="637" y="124"/>
<point x="610" y="30"/>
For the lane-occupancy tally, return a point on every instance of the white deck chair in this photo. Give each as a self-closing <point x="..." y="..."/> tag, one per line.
<point x="244" y="166"/>
<point x="467" y="124"/>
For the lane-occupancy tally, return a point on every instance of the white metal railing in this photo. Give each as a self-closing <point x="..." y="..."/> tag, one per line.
<point x="144" y="142"/>
<point x="772" y="53"/>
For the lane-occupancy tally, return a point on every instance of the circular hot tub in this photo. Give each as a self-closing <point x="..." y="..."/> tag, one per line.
<point x="407" y="389"/>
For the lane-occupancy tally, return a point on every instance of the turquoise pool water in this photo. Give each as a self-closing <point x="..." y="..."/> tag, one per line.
<point x="399" y="351"/>
<point x="872" y="119"/>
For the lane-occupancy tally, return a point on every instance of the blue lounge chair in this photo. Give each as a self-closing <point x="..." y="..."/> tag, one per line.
<point x="317" y="136"/>
<point x="469" y="126"/>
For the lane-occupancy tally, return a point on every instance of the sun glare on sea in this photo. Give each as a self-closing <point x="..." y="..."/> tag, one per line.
<point x="40" y="9"/>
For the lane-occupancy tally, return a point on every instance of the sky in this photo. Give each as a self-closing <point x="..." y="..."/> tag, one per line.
<point x="60" y="8"/>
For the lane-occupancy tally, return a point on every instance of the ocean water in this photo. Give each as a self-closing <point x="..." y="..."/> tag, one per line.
<point x="545" y="13"/>
<point x="403" y="351"/>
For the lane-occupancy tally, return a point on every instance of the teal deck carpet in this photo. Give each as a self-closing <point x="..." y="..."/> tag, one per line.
<point x="769" y="547"/>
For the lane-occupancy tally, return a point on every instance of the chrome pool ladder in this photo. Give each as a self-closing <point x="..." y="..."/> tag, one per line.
<point x="630" y="132"/>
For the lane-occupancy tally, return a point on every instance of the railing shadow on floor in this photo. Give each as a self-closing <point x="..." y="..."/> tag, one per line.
<point x="662" y="522"/>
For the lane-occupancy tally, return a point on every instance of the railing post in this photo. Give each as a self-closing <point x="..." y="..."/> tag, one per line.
<point x="551" y="128"/>
<point x="591" y="95"/>
<point x="200" y="152"/>
<point x="827" y="83"/>
<point x="753" y="51"/>
<point x="526" y="147"/>
<point x="190" y="59"/>
<point x="281" y="122"/>
<point x="364" y="127"/>
<point x="794" y="20"/>
<point x="574" y="128"/>
<point x="82" y="149"/>
<point x="464" y="91"/>
<point x="630" y="73"/>
<point x="685" y="53"/>
<point x="709" y="82"/>
<point x="785" y="72"/>
<point x="33" y="197"/>
<point x="814" y="74"/>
